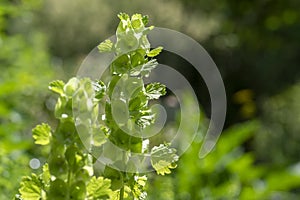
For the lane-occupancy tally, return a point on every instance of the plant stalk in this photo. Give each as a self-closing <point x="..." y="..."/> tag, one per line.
<point x="121" y="193"/>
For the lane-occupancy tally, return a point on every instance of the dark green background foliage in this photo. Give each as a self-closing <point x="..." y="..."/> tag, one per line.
<point x="254" y="44"/>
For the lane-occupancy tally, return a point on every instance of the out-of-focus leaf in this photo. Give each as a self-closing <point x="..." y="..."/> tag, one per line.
<point x="78" y="191"/>
<point x="235" y="136"/>
<point x="42" y="134"/>
<point x="58" y="189"/>
<point x="282" y="181"/>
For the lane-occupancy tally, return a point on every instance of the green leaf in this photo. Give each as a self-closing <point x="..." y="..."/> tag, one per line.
<point x="58" y="189"/>
<point x="137" y="21"/>
<point x="42" y="134"/>
<point x="145" y="69"/>
<point x="137" y="58"/>
<point x="132" y="87"/>
<point x="144" y="42"/>
<point x="57" y="87"/>
<point x="155" y="90"/>
<point x="124" y="23"/>
<point x="78" y="191"/>
<point x="115" y="177"/>
<point x="132" y="34"/>
<point x="123" y="16"/>
<point x="138" y="187"/>
<point x="45" y="176"/>
<point x="98" y="188"/>
<point x="31" y="188"/>
<point x="154" y="52"/>
<point x="74" y="158"/>
<point x="121" y="65"/>
<point x="145" y="19"/>
<point x="57" y="164"/>
<point x="100" y="89"/>
<point x="100" y="135"/>
<point x="163" y="159"/>
<point x="71" y="86"/>
<point x="106" y="46"/>
<point x="127" y="42"/>
<point x="60" y="107"/>
<point x="116" y="194"/>
<point x="138" y="101"/>
<point x="145" y="118"/>
<point x="70" y="155"/>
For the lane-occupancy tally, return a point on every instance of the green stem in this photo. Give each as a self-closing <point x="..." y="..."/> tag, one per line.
<point x="121" y="193"/>
<point x="69" y="184"/>
<point x="122" y="189"/>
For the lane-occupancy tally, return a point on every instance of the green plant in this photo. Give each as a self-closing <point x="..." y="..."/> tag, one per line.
<point x="81" y="132"/>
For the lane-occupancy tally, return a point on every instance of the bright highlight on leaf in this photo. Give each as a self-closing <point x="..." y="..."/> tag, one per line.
<point x="163" y="159"/>
<point x="57" y="87"/>
<point x="155" y="90"/>
<point x="106" y="46"/>
<point x="138" y="188"/>
<point x="155" y="52"/>
<point x="46" y="175"/>
<point x="31" y="188"/>
<point x="42" y="134"/>
<point x="100" y="89"/>
<point x="98" y="188"/>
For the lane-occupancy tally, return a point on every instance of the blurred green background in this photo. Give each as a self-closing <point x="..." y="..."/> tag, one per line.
<point x="255" y="45"/>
